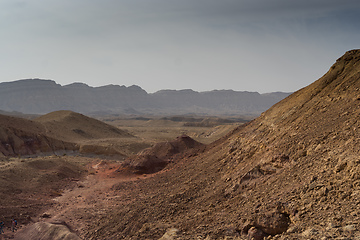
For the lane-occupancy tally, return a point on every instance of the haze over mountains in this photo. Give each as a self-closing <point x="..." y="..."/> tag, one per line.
<point x="37" y="96"/>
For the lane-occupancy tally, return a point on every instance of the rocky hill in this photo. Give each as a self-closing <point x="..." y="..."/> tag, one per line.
<point x="71" y="126"/>
<point x="56" y="132"/>
<point x="21" y="137"/>
<point x="37" y="96"/>
<point x="293" y="173"/>
<point x="155" y="158"/>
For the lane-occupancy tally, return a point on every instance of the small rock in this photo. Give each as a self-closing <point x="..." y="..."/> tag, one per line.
<point x="340" y="166"/>
<point x="256" y="234"/>
<point x="45" y="215"/>
<point x="171" y="234"/>
<point x="349" y="228"/>
<point x="332" y="225"/>
<point x="292" y="229"/>
<point x="323" y="191"/>
<point x="273" y="222"/>
<point x="309" y="232"/>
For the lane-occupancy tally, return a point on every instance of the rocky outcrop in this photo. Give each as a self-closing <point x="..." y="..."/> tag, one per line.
<point x="155" y="158"/>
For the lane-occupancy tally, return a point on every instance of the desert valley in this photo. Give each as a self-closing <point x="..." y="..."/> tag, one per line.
<point x="138" y="171"/>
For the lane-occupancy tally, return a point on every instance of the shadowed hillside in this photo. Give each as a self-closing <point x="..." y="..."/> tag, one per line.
<point x="293" y="173"/>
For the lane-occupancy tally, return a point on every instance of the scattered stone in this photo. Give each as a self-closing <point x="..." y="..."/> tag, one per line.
<point x="310" y="232"/>
<point x="332" y="225"/>
<point x="46" y="215"/>
<point x="340" y="166"/>
<point x="171" y="234"/>
<point x="273" y="223"/>
<point x="292" y="229"/>
<point x="349" y="228"/>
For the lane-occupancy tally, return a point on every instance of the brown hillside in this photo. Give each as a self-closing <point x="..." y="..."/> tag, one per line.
<point x="293" y="173"/>
<point x="21" y="124"/>
<point x="20" y="136"/>
<point x="90" y="135"/>
<point x="60" y="131"/>
<point x="71" y="126"/>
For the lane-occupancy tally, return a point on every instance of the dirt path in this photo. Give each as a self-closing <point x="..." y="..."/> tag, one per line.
<point x="91" y="197"/>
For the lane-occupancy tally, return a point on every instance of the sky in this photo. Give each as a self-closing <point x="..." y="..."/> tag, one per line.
<point x="244" y="45"/>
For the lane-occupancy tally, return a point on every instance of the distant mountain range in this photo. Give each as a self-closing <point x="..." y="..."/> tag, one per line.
<point x="38" y="96"/>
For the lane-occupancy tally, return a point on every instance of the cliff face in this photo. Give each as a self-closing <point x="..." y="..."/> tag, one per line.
<point x="293" y="173"/>
<point x="43" y="96"/>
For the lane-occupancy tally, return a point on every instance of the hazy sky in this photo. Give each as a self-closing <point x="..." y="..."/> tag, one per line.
<point x="245" y="45"/>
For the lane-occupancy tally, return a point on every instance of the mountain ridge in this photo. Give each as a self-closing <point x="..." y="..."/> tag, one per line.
<point x="39" y="96"/>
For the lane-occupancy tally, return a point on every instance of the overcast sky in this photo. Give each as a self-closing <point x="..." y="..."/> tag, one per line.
<point x="244" y="45"/>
